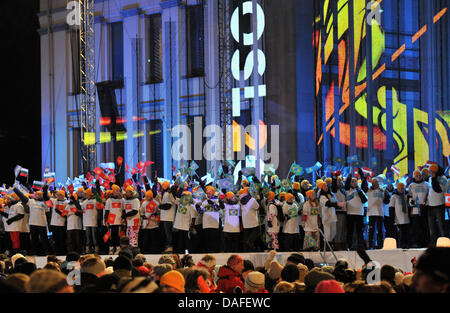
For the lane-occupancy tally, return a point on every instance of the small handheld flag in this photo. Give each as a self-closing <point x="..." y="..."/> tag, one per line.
<point x="119" y="160"/>
<point x="111" y="218"/>
<point x="395" y="170"/>
<point x="338" y="160"/>
<point x="106" y="236"/>
<point x="248" y="171"/>
<point x="24" y="172"/>
<point x="352" y="158"/>
<point x="38" y="184"/>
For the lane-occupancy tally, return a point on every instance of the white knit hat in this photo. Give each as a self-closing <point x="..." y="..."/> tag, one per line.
<point x="254" y="281"/>
<point x="15" y="257"/>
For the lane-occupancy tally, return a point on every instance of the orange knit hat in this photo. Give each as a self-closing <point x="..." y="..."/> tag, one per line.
<point x="289" y="197"/>
<point x="230" y="195"/>
<point x="173" y="279"/>
<point x="243" y="191"/>
<point x="149" y="194"/>
<point x="309" y="192"/>
<point x="165" y="185"/>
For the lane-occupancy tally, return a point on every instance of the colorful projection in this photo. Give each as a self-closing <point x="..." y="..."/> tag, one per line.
<point x="395" y="81"/>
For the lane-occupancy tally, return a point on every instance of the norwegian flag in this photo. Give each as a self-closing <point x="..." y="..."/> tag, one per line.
<point x="367" y="171"/>
<point x="447" y="200"/>
<point x="395" y="170"/>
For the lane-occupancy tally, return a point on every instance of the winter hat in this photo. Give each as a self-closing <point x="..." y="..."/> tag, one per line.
<point x="254" y="281"/>
<point x="115" y="188"/>
<point x="161" y="269"/>
<point x="329" y="286"/>
<point x="173" y="279"/>
<point x="275" y="269"/>
<point x="46" y="281"/>
<point x="230" y="195"/>
<point x="271" y="195"/>
<point x="243" y="191"/>
<point x="328" y="180"/>
<point x="434" y="168"/>
<point x="400" y="185"/>
<point x="417" y="172"/>
<point x="15" y="257"/>
<point x="407" y="279"/>
<point x="321" y="185"/>
<point x="129" y="189"/>
<point x="305" y="184"/>
<point x="143" y="270"/>
<point x="435" y="262"/>
<point x="319" y="182"/>
<point x="290" y="273"/>
<point x="245" y="182"/>
<point x="210" y="189"/>
<point x="314" y="277"/>
<point x="165" y="185"/>
<point x="149" y="194"/>
<point x="60" y="193"/>
<point x="234" y="259"/>
<point x="289" y="197"/>
<point x="88" y="192"/>
<point x="296" y="186"/>
<point x="282" y="195"/>
<point x="425" y="171"/>
<point x="309" y="192"/>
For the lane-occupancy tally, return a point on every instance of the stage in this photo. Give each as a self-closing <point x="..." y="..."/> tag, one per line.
<point x="398" y="258"/>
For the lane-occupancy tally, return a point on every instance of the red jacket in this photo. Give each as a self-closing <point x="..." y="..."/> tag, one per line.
<point x="228" y="280"/>
<point x="212" y="286"/>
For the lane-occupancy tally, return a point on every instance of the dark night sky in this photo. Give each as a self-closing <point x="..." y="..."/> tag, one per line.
<point x="20" y="127"/>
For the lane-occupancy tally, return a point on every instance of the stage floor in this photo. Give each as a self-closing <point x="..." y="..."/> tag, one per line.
<point x="400" y="258"/>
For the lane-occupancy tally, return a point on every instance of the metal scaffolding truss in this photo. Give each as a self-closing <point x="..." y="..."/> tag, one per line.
<point x="225" y="78"/>
<point x="87" y="73"/>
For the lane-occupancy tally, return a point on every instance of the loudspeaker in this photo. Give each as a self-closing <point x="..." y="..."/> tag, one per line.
<point x="108" y="104"/>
